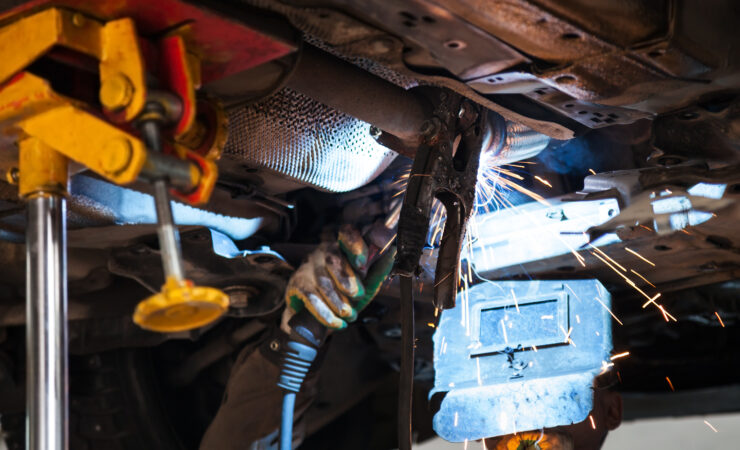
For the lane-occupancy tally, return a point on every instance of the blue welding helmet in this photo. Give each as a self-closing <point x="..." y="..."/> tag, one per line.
<point x="514" y="356"/>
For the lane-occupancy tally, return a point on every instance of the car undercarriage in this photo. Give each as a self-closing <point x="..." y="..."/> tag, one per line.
<point x="493" y="142"/>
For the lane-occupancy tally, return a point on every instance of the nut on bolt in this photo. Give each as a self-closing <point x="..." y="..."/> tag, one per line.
<point x="428" y="128"/>
<point x="116" y="92"/>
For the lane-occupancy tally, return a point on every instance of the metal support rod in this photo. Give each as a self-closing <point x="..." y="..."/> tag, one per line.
<point x="46" y="329"/>
<point x="169" y="237"/>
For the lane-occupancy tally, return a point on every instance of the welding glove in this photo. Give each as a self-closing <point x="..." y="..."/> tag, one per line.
<point x="338" y="280"/>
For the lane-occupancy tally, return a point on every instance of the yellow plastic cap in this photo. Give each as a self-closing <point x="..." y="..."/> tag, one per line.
<point x="180" y="307"/>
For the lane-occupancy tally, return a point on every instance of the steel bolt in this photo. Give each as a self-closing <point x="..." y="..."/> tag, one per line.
<point x="428" y="128"/>
<point x="375" y="132"/>
<point x="13" y="175"/>
<point x="115" y="156"/>
<point x="78" y="20"/>
<point x="274" y="345"/>
<point x="116" y="92"/>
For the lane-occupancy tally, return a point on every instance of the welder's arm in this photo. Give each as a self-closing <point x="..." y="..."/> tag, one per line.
<point x="330" y="286"/>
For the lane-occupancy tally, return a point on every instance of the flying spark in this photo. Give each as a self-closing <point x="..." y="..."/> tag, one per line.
<point x="720" y="319"/>
<point x="651" y="300"/>
<point x="477" y="363"/>
<point x="593" y="424"/>
<point x="385" y="247"/>
<point x="710" y="426"/>
<point x="620" y="355"/>
<point x="516" y="303"/>
<point x="567" y="335"/>
<point x="543" y="181"/>
<point x="643" y="278"/>
<point x="607" y="257"/>
<point x="670" y="384"/>
<point x="610" y="311"/>
<point x="640" y="256"/>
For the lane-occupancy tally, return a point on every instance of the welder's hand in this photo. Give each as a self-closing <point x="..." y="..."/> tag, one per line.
<point x="329" y="284"/>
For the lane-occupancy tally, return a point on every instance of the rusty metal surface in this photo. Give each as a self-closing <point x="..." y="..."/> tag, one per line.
<point x="611" y="62"/>
<point x="601" y="51"/>
<point x="383" y="54"/>
<point x="465" y="50"/>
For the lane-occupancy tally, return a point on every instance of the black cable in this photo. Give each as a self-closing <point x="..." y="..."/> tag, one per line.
<point x="406" y="379"/>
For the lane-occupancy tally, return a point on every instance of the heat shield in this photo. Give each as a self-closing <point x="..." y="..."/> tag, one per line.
<point x="519" y="355"/>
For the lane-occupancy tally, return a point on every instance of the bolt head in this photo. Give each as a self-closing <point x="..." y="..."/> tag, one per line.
<point x="116" y="92"/>
<point x="375" y="132"/>
<point x="78" y="20"/>
<point x="13" y="175"/>
<point x="275" y="345"/>
<point x="115" y="156"/>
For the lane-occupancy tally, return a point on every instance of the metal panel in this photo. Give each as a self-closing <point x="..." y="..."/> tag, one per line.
<point x="516" y="374"/>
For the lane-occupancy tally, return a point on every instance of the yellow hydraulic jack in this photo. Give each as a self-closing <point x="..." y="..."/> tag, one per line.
<point x="49" y="129"/>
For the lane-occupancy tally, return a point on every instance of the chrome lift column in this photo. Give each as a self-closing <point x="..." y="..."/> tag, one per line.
<point x="46" y="325"/>
<point x="43" y="174"/>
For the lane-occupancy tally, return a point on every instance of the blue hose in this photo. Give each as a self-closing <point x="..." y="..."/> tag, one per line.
<point x="286" y="421"/>
<point x="297" y="359"/>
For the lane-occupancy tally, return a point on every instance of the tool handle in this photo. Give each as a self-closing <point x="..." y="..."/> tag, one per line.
<point x="447" y="273"/>
<point x="306" y="329"/>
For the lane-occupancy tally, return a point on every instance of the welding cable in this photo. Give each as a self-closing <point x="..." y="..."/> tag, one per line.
<point x="298" y="354"/>
<point x="286" y="421"/>
<point x="406" y="379"/>
<point x="296" y="362"/>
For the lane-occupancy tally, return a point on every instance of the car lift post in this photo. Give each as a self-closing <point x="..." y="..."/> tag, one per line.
<point x="43" y="185"/>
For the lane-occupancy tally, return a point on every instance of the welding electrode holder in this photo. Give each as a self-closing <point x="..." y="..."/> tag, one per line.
<point x="445" y="168"/>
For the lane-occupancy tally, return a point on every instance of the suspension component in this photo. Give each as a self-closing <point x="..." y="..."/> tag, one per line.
<point x="180" y="305"/>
